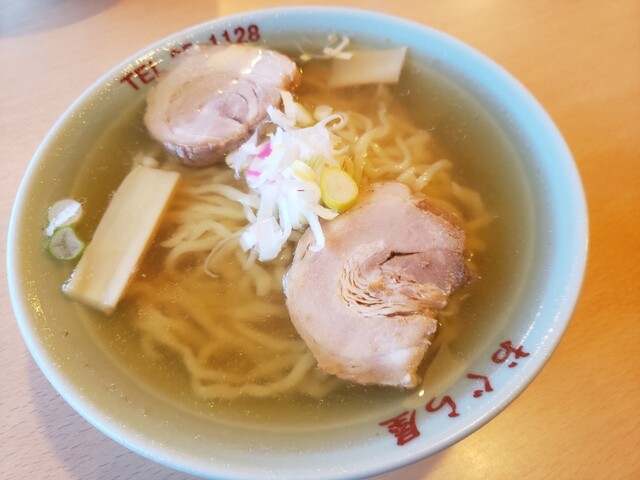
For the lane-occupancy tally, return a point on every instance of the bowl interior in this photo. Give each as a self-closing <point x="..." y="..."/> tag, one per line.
<point x="484" y="118"/>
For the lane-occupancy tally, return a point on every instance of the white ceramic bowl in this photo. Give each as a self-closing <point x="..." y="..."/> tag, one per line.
<point x="499" y="120"/>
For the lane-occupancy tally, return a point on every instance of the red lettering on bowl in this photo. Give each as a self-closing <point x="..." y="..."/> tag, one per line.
<point x="505" y="351"/>
<point x="403" y="427"/>
<point x="446" y="400"/>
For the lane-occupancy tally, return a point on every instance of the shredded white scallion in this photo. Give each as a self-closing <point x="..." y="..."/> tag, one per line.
<point x="283" y="173"/>
<point x="336" y="47"/>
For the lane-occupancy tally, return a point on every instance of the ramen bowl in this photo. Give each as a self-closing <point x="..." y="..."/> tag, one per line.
<point x="488" y="122"/>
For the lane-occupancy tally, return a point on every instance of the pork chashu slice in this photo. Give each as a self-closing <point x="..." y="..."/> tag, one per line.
<point x="366" y="304"/>
<point x="212" y="100"/>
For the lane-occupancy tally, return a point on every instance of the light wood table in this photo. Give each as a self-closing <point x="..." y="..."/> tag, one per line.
<point x="578" y="420"/>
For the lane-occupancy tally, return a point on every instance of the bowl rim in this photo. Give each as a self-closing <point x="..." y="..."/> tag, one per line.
<point x="576" y="263"/>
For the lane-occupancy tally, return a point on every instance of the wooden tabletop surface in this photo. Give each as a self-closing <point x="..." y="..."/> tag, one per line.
<point x="578" y="420"/>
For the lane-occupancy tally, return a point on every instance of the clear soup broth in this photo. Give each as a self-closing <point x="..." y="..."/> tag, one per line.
<point x="482" y="160"/>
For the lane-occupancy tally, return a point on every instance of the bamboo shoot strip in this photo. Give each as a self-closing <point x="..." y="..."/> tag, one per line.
<point x="122" y="238"/>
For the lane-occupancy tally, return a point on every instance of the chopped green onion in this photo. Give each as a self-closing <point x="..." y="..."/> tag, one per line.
<point x="64" y="244"/>
<point x="339" y="190"/>
<point x="63" y="213"/>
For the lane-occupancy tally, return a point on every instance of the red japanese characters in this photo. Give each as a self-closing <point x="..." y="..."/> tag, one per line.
<point x="405" y="426"/>
<point x="148" y="72"/>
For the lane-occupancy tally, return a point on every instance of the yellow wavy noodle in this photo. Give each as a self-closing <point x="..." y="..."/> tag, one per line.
<point x="227" y="322"/>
